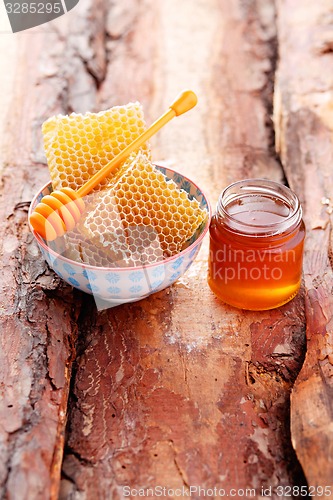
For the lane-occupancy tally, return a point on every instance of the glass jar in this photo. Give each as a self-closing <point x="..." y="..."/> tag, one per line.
<point x="256" y="245"/>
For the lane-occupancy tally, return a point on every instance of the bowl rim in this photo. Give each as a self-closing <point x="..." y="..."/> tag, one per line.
<point x="42" y="243"/>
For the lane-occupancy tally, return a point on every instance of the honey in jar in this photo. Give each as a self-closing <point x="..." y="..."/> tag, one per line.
<point x="256" y="245"/>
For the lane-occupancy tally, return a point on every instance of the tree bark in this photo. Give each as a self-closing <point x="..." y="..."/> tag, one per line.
<point x="177" y="390"/>
<point x="303" y="119"/>
<point x="38" y="312"/>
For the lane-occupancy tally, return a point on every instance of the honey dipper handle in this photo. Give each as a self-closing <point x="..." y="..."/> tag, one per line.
<point x="184" y="102"/>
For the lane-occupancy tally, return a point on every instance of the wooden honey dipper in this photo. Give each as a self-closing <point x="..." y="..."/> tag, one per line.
<point x="59" y="211"/>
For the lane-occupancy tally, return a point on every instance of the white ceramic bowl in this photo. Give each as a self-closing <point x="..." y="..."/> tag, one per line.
<point x="127" y="284"/>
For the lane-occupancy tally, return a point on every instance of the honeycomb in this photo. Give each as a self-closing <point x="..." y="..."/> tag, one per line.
<point x="135" y="247"/>
<point x="79" y="249"/>
<point x="139" y="197"/>
<point x="77" y="145"/>
<point x="134" y="217"/>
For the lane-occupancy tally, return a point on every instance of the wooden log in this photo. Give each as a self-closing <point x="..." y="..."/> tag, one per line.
<point x="304" y="125"/>
<point x="179" y="389"/>
<point x="38" y="312"/>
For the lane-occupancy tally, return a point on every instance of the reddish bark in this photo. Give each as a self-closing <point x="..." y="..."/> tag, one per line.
<point x="303" y="117"/>
<point x="177" y="389"/>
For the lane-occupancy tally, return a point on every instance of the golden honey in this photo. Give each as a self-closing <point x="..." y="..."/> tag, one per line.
<point x="256" y="245"/>
<point x="79" y="145"/>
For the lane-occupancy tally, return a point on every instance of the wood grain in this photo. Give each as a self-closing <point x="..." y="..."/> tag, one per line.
<point x="303" y="118"/>
<point x="178" y="389"/>
<point x="38" y="312"/>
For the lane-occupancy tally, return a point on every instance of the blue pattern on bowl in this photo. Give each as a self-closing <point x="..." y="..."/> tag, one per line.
<point x="158" y="271"/>
<point x="74" y="282"/>
<point x="90" y="275"/>
<point x="178" y="263"/>
<point x="112" y="277"/>
<point x="136" y="276"/>
<point x="156" y="284"/>
<point x="70" y="270"/>
<point x="114" y="290"/>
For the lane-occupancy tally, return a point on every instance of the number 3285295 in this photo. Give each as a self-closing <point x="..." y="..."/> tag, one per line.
<point x="34" y="8"/>
<point x="303" y="491"/>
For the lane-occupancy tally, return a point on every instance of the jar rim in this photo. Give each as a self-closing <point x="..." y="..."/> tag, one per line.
<point x="265" y="187"/>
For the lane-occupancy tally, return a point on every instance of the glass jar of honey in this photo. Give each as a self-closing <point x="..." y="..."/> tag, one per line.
<point x="256" y="245"/>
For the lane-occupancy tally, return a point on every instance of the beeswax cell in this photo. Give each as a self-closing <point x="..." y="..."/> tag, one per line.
<point x="78" y="145"/>
<point x="140" y="195"/>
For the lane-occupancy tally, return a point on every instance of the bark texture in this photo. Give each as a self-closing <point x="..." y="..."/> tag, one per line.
<point x="303" y="118"/>
<point x="162" y="387"/>
<point x="178" y="389"/>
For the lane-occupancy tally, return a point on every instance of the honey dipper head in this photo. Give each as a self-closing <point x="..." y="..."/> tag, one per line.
<point x="57" y="213"/>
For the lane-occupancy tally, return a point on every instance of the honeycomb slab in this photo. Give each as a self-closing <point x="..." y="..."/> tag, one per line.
<point x="139" y="196"/>
<point x="78" y="145"/>
<point x="134" y="217"/>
